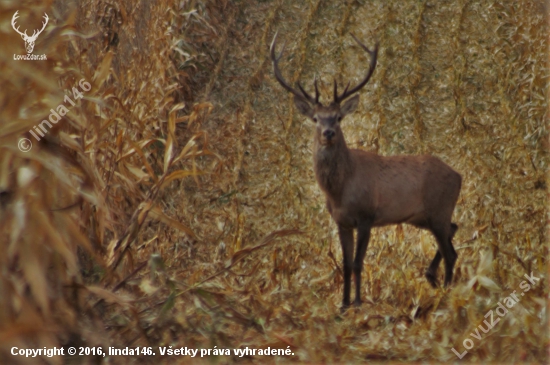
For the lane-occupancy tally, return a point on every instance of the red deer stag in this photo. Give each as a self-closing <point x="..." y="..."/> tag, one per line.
<point x="365" y="190"/>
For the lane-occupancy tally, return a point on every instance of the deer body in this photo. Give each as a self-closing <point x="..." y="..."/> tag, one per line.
<point x="365" y="190"/>
<point x="389" y="190"/>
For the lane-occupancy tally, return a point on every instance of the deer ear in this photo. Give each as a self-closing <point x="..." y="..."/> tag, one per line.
<point x="303" y="106"/>
<point x="349" y="106"/>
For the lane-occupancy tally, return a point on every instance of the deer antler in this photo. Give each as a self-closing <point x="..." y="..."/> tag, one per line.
<point x="24" y="34"/>
<point x="282" y="81"/>
<point x="43" y="26"/>
<point x="374" y="55"/>
<point x="13" y="19"/>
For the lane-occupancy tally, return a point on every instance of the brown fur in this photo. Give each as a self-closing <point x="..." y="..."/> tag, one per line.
<point x="365" y="190"/>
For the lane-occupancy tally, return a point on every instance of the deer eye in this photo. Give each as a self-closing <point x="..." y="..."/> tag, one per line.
<point x="315" y="119"/>
<point x="339" y="118"/>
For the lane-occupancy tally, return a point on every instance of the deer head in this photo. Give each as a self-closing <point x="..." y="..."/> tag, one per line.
<point x="29" y="41"/>
<point x="326" y="117"/>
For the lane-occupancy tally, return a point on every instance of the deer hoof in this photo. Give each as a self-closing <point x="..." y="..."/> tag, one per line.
<point x="431" y="279"/>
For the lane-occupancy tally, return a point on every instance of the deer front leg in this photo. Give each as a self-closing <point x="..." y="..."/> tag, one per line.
<point x="346" y="241"/>
<point x="363" y="235"/>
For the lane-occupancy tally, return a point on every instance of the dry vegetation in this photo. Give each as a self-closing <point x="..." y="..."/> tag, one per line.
<point x="175" y="204"/>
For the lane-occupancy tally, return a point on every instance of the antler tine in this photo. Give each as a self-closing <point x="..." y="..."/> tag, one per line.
<point x="374" y="55"/>
<point x="13" y="19"/>
<point x="347" y="86"/>
<point x="279" y="76"/>
<point x="305" y="93"/>
<point x="335" y="91"/>
<point x="46" y="18"/>
<point x="282" y="51"/>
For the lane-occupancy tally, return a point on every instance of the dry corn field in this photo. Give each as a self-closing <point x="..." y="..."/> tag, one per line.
<point x="172" y="201"/>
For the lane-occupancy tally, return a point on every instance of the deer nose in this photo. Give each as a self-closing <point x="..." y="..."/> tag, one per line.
<point x="329" y="134"/>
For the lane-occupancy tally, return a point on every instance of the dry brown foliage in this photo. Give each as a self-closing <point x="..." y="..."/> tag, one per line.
<point x="175" y="203"/>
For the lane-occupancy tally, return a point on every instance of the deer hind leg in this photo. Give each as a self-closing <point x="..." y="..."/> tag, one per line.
<point x="444" y="235"/>
<point x="431" y="273"/>
<point x="363" y="235"/>
<point x="346" y="241"/>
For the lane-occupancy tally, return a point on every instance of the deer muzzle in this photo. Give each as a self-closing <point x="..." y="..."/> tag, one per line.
<point x="328" y="137"/>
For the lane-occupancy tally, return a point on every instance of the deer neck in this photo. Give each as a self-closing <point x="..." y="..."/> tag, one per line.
<point x="333" y="166"/>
